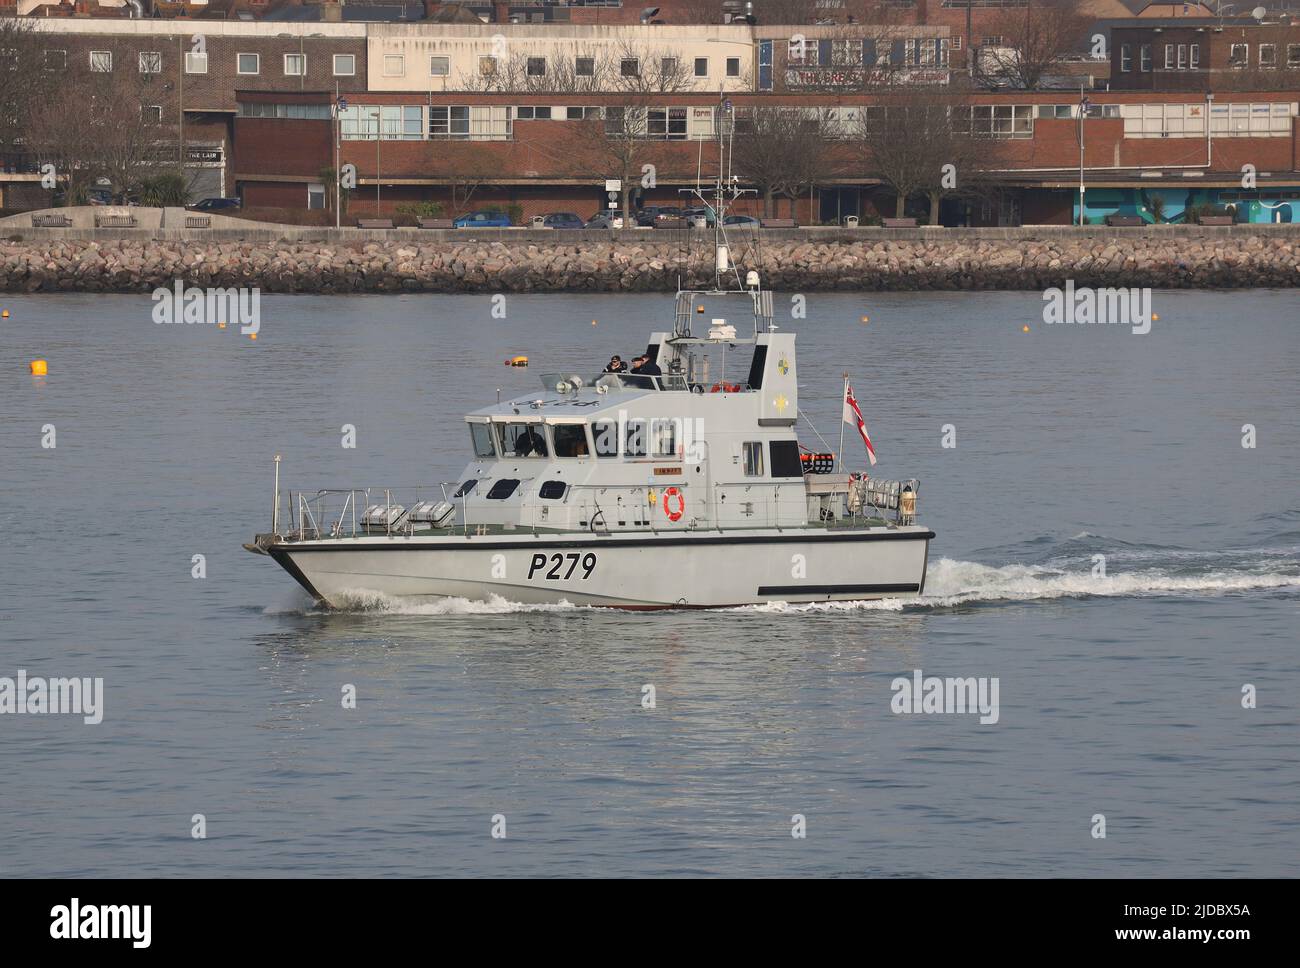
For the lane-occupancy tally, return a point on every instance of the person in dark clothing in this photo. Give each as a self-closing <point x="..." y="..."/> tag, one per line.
<point x="530" y="444"/>
<point x="616" y="365"/>
<point x="649" y="367"/>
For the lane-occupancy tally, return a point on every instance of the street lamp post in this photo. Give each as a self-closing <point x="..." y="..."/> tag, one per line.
<point x="1083" y="113"/>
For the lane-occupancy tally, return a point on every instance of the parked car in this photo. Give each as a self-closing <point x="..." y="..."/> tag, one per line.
<point x="215" y="204"/>
<point x="562" y="220"/>
<point x="605" y="220"/>
<point x="704" y="211"/>
<point x="482" y="220"/>
<point x="742" y="221"/>
<point x="648" y="216"/>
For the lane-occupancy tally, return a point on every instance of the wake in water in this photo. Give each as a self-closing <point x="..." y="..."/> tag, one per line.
<point x="1063" y="571"/>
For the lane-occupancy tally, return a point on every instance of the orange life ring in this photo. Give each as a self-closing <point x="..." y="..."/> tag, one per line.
<point x="681" y="504"/>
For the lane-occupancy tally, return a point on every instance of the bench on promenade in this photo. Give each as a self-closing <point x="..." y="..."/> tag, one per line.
<point x="435" y="223"/>
<point x="778" y="223"/>
<point x="1125" y="221"/>
<point x="898" y="223"/>
<point x="59" y="221"/>
<point x="198" y="221"/>
<point x="115" y="221"/>
<point x="1214" y="220"/>
<point x="374" y="223"/>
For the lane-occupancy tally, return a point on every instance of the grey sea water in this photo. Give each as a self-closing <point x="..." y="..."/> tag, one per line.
<point x="1119" y="696"/>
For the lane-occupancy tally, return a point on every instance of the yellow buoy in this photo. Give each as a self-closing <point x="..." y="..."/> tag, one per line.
<point x="252" y="336"/>
<point x="221" y="325"/>
<point x="593" y="322"/>
<point x="5" y="314"/>
<point x="866" y="319"/>
<point x="1025" y="328"/>
<point x="39" y="367"/>
<point x="517" y="361"/>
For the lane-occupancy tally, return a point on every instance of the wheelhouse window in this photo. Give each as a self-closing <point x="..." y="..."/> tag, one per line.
<point x="754" y="458"/>
<point x="552" y="490"/>
<point x="481" y="434"/>
<point x="502" y="489"/>
<point x="570" y="440"/>
<point x="466" y="488"/>
<point x="605" y="435"/>
<point x="521" y="440"/>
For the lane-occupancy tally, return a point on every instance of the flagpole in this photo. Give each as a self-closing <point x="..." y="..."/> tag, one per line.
<point x="844" y="396"/>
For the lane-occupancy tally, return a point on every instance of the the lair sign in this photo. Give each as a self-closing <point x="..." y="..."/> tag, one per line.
<point x="858" y="77"/>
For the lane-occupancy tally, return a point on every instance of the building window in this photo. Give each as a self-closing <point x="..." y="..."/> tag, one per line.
<point x="1292" y="55"/>
<point x="669" y="123"/>
<point x="998" y="121"/>
<point x="151" y="113"/>
<point x="487" y="66"/>
<point x="536" y="67"/>
<point x="754" y="458"/>
<point x="150" y="62"/>
<point x="701" y="67"/>
<point x="1182" y="57"/>
<point x="101" y="61"/>
<point x="1126" y="57"/>
<point x="1144" y="55"/>
<point x="1169" y="57"/>
<point x="530" y="112"/>
<point x="1239" y="56"/>
<point x="733" y="66"/>
<point x="316" y="196"/>
<point x="345" y="65"/>
<point x="1268" y="55"/>
<point x="585" y="67"/>
<point x="249" y="63"/>
<point x="295" y="65"/>
<point x="439" y="66"/>
<point x="394" y="65"/>
<point x="448" y="121"/>
<point x="1196" y="56"/>
<point x="629" y="67"/>
<point x="196" y="62"/>
<point x="55" y="60"/>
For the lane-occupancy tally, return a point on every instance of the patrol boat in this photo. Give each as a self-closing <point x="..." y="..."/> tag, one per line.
<point x="630" y="491"/>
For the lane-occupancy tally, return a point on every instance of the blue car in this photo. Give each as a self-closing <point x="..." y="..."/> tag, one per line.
<point x="483" y="220"/>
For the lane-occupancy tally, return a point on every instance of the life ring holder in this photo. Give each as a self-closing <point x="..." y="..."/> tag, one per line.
<point x="671" y="515"/>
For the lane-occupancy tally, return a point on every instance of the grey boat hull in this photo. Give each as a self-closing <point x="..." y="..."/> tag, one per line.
<point x="641" y="571"/>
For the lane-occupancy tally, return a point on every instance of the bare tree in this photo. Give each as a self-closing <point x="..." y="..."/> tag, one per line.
<point x="101" y="125"/>
<point x="924" y="143"/>
<point x="21" y="79"/>
<point x="783" y="151"/>
<point x="1033" y="40"/>
<point x="630" y="141"/>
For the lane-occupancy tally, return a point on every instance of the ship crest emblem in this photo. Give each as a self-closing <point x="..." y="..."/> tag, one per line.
<point x="783" y="365"/>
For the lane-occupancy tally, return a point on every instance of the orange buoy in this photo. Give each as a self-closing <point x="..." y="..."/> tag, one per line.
<point x="39" y="367"/>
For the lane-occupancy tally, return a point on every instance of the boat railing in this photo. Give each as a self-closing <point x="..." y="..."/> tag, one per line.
<point x="889" y="500"/>
<point x="357" y="511"/>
